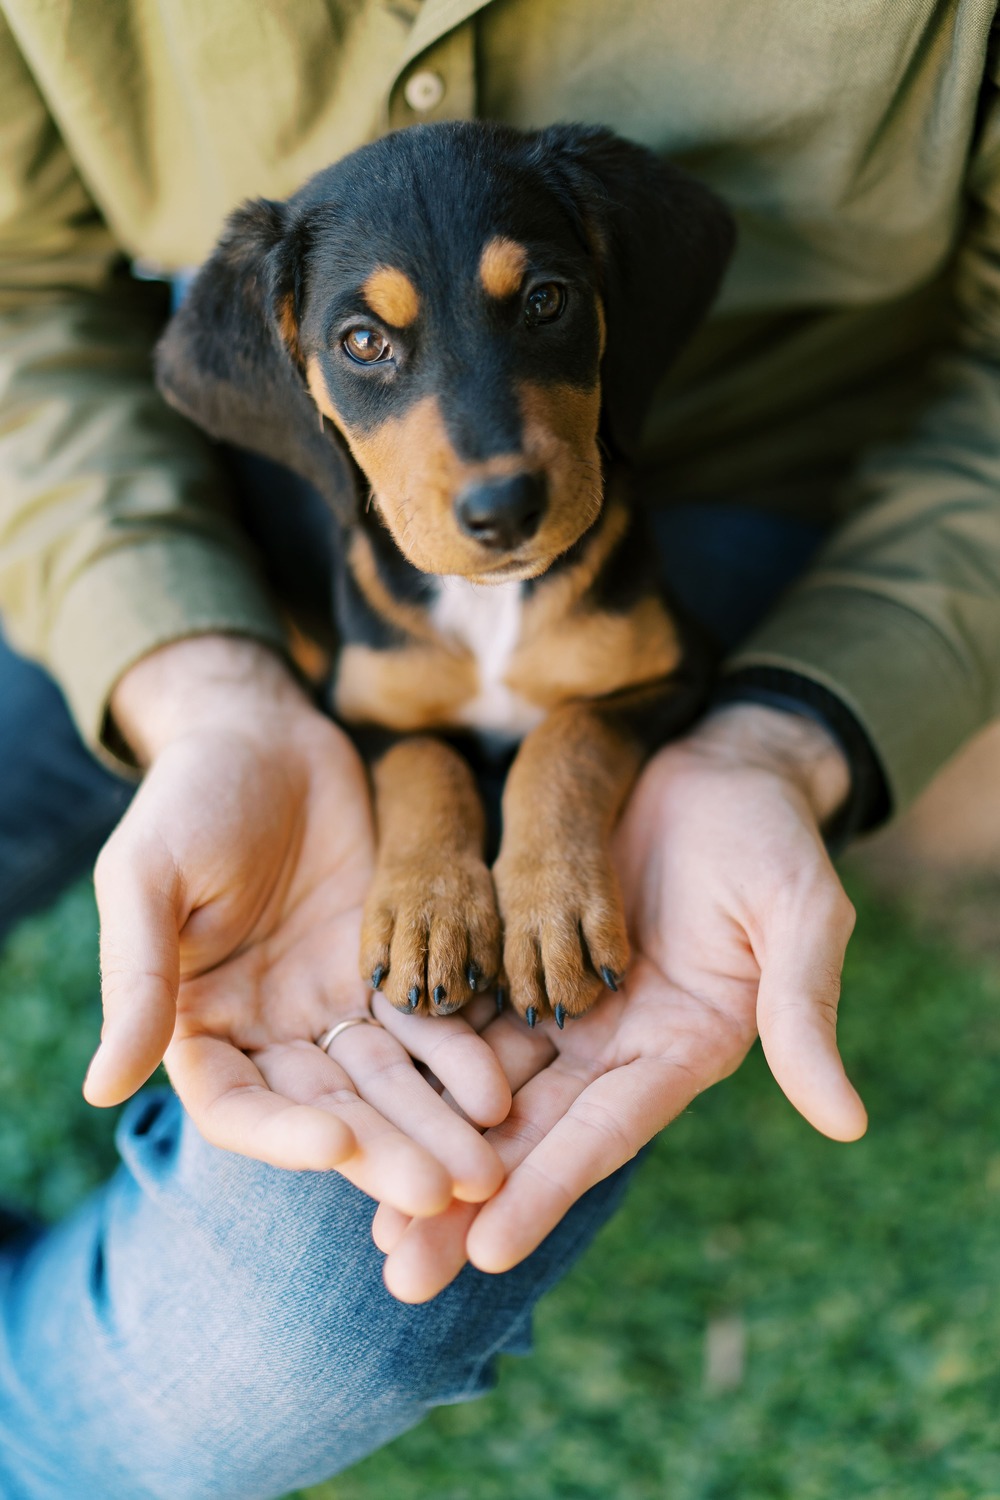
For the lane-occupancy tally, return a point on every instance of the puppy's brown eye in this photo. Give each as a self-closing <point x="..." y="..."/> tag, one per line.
<point x="367" y="346"/>
<point x="544" y="303"/>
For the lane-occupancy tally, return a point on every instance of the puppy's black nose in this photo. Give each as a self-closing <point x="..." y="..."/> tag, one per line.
<point x="502" y="513"/>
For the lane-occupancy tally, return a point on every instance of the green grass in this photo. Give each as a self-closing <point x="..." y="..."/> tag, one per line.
<point x="861" y="1281"/>
<point x="53" y="1146"/>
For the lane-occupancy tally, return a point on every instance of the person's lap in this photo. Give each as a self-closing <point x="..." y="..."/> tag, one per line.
<point x="57" y="804"/>
<point x="205" y="1325"/>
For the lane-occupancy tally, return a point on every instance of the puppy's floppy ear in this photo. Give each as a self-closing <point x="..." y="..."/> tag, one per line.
<point x="662" y="241"/>
<point x="229" y="358"/>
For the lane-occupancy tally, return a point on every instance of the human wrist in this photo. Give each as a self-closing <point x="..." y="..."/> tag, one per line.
<point x="798" y="749"/>
<point x="200" y="682"/>
<point x="869" y="802"/>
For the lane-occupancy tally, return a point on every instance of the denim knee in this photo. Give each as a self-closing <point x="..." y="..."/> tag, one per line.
<point x="224" y="1330"/>
<point x="57" y="804"/>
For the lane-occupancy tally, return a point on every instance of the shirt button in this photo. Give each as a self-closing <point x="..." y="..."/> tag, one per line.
<point x="423" y="91"/>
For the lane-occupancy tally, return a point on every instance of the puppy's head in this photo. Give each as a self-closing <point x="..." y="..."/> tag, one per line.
<point x="471" y="310"/>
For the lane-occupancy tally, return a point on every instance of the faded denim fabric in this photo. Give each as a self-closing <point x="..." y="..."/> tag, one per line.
<point x="210" y="1328"/>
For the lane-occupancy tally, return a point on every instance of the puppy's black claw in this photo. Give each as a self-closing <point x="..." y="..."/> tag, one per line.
<point x="560" y="1015"/>
<point x="377" y="976"/>
<point x="473" y="974"/>
<point x="610" y="979"/>
<point x="440" y="993"/>
<point x="414" y="997"/>
<point x="531" y="1015"/>
<point x="501" y="999"/>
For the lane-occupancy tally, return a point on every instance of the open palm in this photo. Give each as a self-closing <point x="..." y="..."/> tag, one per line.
<point x="230" y="899"/>
<point x="739" y="925"/>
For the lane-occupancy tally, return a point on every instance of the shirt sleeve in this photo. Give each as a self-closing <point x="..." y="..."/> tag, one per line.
<point x="116" y="531"/>
<point x="899" y="617"/>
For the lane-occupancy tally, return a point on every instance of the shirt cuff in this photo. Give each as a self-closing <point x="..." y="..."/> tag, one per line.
<point x="129" y="602"/>
<point x="867" y="804"/>
<point x="910" y="691"/>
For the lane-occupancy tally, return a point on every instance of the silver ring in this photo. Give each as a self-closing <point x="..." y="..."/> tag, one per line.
<point x="327" y="1039"/>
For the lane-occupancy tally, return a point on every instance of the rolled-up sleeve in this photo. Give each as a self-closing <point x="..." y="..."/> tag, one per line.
<point x="116" y="531"/>
<point x="899" y="617"/>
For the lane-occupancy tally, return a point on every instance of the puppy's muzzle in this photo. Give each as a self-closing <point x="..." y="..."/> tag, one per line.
<point x="502" y="513"/>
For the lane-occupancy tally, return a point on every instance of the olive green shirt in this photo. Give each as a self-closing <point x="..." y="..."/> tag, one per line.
<point x="851" y="369"/>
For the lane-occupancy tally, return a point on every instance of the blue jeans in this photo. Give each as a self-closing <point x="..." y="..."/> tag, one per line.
<point x="206" y="1326"/>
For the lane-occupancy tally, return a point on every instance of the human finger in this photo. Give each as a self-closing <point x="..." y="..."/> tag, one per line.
<point x="428" y="1255"/>
<point x="801" y="958"/>
<point x="230" y="1101"/>
<point x="423" y="1257"/>
<point x="139" y="894"/>
<point x="482" y="1010"/>
<point x="429" y="1264"/>
<point x="603" y="1127"/>
<point x="521" y="1051"/>
<point x="368" y="1074"/>
<point x="462" y="1060"/>
<point x="388" y="1227"/>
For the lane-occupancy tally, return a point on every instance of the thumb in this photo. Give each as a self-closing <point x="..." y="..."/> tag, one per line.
<point x="138" y="899"/>
<point x="797" y="1010"/>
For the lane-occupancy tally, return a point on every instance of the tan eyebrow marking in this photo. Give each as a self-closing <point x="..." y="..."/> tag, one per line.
<point x="392" y="296"/>
<point x="502" y="265"/>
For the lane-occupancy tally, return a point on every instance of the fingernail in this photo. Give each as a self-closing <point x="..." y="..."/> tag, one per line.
<point x="377" y="976"/>
<point x="610" y="979"/>
<point x="501" y="999"/>
<point x="414" y="997"/>
<point x="560" y="1016"/>
<point x="531" y="1015"/>
<point x="473" y="974"/>
<point x="440" y="993"/>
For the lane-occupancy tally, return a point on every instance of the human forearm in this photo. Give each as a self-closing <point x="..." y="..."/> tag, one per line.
<point x="114" y="534"/>
<point x="114" y="531"/>
<point x="899" y="615"/>
<point x="906" y="637"/>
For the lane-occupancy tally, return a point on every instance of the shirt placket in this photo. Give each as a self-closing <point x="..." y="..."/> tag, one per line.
<point x="436" y="79"/>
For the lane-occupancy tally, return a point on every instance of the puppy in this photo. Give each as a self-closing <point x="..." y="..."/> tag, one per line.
<point x="454" y="334"/>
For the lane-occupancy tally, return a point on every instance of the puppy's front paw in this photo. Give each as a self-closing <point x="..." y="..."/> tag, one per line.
<point x="564" y="932"/>
<point x="431" y="936"/>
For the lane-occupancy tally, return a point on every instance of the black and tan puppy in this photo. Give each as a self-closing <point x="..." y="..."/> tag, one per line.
<point x="473" y="321"/>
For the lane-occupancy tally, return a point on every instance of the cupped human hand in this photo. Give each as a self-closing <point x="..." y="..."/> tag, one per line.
<point x="230" y="903"/>
<point x="739" y="926"/>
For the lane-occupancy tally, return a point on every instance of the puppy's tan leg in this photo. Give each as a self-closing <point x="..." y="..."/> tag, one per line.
<point x="431" y="935"/>
<point x="564" y="927"/>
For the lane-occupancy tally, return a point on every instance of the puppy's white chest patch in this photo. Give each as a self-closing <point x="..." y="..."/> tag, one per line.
<point x="486" y="620"/>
